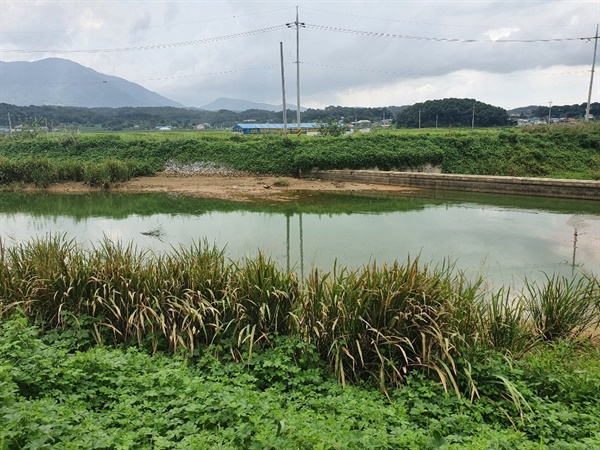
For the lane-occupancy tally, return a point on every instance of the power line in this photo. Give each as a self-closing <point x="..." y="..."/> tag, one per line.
<point x="156" y="46"/>
<point x="281" y="27"/>
<point x="443" y="39"/>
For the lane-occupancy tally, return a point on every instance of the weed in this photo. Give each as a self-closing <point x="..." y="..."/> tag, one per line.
<point x="281" y="182"/>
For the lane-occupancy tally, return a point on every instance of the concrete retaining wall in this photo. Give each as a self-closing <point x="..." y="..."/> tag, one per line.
<point x="545" y="187"/>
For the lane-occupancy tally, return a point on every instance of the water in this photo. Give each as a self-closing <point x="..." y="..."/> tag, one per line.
<point x="502" y="237"/>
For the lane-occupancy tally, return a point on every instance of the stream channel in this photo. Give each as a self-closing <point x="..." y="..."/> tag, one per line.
<point x="504" y="238"/>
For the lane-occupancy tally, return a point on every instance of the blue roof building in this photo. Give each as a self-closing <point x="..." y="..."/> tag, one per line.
<point x="260" y="128"/>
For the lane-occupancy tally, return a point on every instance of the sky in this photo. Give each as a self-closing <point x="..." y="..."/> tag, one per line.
<point x="351" y="53"/>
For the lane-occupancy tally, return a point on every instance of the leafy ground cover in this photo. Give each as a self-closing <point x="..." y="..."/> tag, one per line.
<point x="55" y="395"/>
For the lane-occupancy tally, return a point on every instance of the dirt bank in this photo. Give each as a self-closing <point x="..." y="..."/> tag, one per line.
<point x="237" y="188"/>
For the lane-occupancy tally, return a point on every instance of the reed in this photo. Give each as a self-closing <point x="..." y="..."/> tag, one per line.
<point x="376" y="323"/>
<point x="562" y="307"/>
<point x="508" y="325"/>
<point x="42" y="172"/>
<point x="384" y="322"/>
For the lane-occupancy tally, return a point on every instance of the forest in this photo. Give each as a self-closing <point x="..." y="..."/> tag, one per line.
<point x="452" y="112"/>
<point x="147" y="118"/>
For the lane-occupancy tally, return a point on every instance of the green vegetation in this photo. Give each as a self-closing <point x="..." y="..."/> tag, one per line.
<point x="148" y="118"/>
<point x="259" y="359"/>
<point x="332" y="127"/>
<point x="117" y="348"/>
<point x="43" y="172"/>
<point x="553" y="151"/>
<point x="451" y="112"/>
<point x="565" y="111"/>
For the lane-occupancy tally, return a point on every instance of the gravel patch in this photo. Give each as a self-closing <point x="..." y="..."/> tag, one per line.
<point x="174" y="168"/>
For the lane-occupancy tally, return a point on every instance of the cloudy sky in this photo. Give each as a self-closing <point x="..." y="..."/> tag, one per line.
<point x="352" y="53"/>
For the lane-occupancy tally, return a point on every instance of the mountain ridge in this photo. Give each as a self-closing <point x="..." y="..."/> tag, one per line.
<point x="62" y="82"/>
<point x="238" y="105"/>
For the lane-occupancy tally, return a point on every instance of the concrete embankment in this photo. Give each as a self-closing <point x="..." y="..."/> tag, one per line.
<point x="544" y="187"/>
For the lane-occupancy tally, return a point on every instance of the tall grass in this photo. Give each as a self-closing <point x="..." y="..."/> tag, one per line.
<point x="563" y="307"/>
<point x="382" y="322"/>
<point x="374" y="324"/>
<point x="42" y="172"/>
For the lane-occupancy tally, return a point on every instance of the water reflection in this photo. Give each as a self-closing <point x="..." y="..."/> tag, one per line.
<point x="505" y="238"/>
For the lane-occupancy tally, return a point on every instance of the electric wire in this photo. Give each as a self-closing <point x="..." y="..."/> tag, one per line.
<point x="155" y="46"/>
<point x="309" y="26"/>
<point x="441" y="39"/>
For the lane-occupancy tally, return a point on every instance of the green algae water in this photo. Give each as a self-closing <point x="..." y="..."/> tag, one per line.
<point x="505" y="238"/>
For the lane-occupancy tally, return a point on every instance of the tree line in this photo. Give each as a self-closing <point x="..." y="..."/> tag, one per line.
<point x="450" y="112"/>
<point x="567" y="111"/>
<point x="116" y="119"/>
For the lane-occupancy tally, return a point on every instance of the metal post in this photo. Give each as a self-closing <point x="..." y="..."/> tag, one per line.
<point x="297" y="69"/>
<point x="589" y="99"/>
<point x="297" y="24"/>
<point x="549" y="112"/>
<point x="283" y="90"/>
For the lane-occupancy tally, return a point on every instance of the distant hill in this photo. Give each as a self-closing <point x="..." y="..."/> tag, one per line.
<point x="524" y="110"/>
<point x="236" y="105"/>
<point x="61" y="82"/>
<point x="452" y="112"/>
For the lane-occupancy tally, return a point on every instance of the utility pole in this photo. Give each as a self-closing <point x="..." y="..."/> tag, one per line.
<point x="297" y="24"/>
<point x="589" y="99"/>
<point x="473" y="118"/>
<point x="549" y="112"/>
<point x="419" y="119"/>
<point x="283" y="92"/>
<point x="9" y="124"/>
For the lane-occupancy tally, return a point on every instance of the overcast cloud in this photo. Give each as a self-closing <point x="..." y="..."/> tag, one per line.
<point x="352" y="53"/>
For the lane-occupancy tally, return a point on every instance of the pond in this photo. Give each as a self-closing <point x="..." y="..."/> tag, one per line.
<point x="505" y="238"/>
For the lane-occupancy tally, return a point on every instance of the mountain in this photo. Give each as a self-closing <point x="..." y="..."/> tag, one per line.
<point x="61" y="82"/>
<point x="236" y="105"/>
